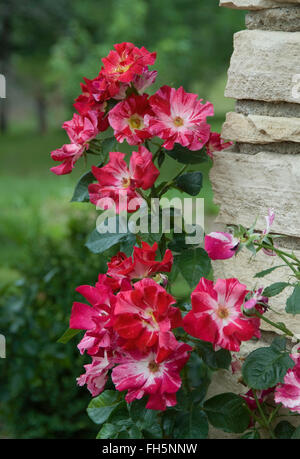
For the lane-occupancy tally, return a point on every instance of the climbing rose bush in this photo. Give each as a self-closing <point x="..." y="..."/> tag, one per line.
<point x="152" y="353"/>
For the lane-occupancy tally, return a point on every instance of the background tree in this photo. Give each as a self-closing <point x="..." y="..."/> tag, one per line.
<point x="28" y="30"/>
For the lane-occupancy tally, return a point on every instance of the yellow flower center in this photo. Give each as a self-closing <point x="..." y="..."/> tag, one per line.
<point x="178" y="121"/>
<point x="121" y="68"/>
<point x="222" y="312"/>
<point x="135" y="122"/>
<point x="153" y="367"/>
<point x="126" y="182"/>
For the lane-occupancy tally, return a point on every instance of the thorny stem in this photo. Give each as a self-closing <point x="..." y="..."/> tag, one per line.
<point x="170" y="183"/>
<point x="146" y="198"/>
<point x="253" y="415"/>
<point x="281" y="327"/>
<point x="156" y="153"/>
<point x="263" y="417"/>
<point x="273" y="413"/>
<point x="282" y="254"/>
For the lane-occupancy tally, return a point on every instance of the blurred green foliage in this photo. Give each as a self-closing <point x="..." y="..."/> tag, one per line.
<point x="50" y="46"/>
<point x="39" y="396"/>
<point x="193" y="40"/>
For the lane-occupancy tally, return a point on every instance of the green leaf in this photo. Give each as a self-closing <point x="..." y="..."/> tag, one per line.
<point x="227" y="412"/>
<point x="100" y="242"/>
<point x="120" y="416"/>
<point x="149" y="425"/>
<point x="123" y="434"/>
<point x="193" y="264"/>
<point x="284" y="430"/>
<point x="199" y="378"/>
<point x="296" y="434"/>
<point x="108" y="431"/>
<point x="103" y="147"/>
<point x="178" y="244"/>
<point x="168" y="421"/>
<point x="214" y="359"/>
<point x="69" y="334"/>
<point x="152" y="431"/>
<point x="134" y="432"/>
<point x="145" y="419"/>
<point x="137" y="409"/>
<point x="161" y="158"/>
<point x="265" y="272"/>
<point x="190" y="183"/>
<point x="223" y="359"/>
<point x="275" y="289"/>
<point x="185" y="156"/>
<point x="109" y="144"/>
<point x="100" y="408"/>
<point x="293" y="302"/>
<point x="192" y="425"/>
<point x="128" y="243"/>
<point x="265" y="367"/>
<point x="279" y="343"/>
<point x="81" y="193"/>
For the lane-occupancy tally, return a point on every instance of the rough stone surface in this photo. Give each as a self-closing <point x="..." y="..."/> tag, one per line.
<point x="244" y="267"/>
<point x="283" y="19"/>
<point x="256" y="107"/>
<point x="262" y="169"/>
<point x="248" y="185"/>
<point x="291" y="243"/>
<point x="260" y="129"/>
<point x="290" y="148"/>
<point x="263" y="66"/>
<point x="254" y="4"/>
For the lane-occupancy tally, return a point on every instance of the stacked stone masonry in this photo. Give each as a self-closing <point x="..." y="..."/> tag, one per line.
<point x="262" y="169"/>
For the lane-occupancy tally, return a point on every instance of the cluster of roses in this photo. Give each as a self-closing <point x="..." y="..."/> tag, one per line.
<point x="129" y="329"/>
<point x="173" y="115"/>
<point x="129" y="326"/>
<point x="131" y="320"/>
<point x="222" y="246"/>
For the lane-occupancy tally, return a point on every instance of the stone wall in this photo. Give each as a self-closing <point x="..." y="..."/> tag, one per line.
<point x="262" y="169"/>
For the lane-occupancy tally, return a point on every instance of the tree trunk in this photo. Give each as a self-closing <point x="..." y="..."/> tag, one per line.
<point x="3" y="115"/>
<point x="5" y="53"/>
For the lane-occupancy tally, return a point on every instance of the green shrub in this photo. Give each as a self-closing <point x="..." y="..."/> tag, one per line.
<point x="39" y="397"/>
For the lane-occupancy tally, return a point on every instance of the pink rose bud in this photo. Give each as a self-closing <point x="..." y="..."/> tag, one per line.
<point x="220" y="246"/>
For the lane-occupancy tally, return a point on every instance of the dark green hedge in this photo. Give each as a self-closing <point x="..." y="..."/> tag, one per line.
<point x="39" y="397"/>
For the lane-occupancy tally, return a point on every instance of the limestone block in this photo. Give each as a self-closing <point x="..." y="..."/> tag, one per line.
<point x="257" y="107"/>
<point x="260" y="129"/>
<point x="263" y="66"/>
<point x="254" y="4"/>
<point x="244" y="267"/>
<point x="275" y="147"/>
<point x="283" y="19"/>
<point x="245" y="186"/>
